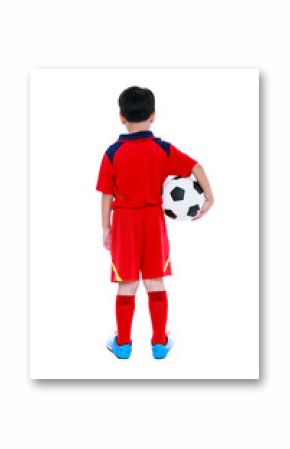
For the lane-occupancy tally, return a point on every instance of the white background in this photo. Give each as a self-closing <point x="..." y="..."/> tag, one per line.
<point x="213" y="293"/>
<point x="203" y="414"/>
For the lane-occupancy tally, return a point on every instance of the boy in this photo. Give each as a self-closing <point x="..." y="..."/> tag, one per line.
<point x="131" y="175"/>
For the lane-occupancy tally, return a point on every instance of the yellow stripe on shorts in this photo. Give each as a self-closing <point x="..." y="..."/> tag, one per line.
<point x="118" y="278"/>
<point x="166" y="264"/>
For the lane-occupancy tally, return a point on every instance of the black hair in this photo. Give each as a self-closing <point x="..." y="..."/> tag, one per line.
<point x="136" y="103"/>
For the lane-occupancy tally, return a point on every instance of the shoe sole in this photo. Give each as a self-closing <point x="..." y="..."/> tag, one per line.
<point x="160" y="357"/>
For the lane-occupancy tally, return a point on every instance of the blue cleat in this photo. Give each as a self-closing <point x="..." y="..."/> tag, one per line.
<point x="120" y="351"/>
<point x="160" y="351"/>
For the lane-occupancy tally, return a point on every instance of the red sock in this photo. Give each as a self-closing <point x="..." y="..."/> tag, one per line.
<point x="158" y="307"/>
<point x="125" y="306"/>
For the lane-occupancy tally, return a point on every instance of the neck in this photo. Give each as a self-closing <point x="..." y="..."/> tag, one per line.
<point x="135" y="127"/>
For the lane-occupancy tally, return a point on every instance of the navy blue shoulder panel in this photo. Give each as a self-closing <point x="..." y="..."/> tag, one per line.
<point x="111" y="151"/>
<point x="163" y="144"/>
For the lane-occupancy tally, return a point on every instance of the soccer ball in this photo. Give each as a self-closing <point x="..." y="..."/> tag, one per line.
<point x="182" y="198"/>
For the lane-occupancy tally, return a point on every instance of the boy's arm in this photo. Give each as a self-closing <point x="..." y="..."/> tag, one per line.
<point x="106" y="202"/>
<point x="107" y="199"/>
<point x="202" y="179"/>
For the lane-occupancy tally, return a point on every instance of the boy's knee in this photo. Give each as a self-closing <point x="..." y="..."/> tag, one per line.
<point x="154" y="284"/>
<point x="128" y="287"/>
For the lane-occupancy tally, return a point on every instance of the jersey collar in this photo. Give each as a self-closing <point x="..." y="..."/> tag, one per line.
<point x="136" y="135"/>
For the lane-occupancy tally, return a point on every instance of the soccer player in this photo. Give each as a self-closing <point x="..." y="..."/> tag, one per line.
<point x="132" y="172"/>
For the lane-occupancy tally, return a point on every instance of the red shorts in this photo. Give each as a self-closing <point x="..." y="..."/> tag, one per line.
<point x="139" y="244"/>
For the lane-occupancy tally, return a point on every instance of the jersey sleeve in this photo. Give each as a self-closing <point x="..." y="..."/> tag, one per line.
<point x="179" y="163"/>
<point x="105" y="181"/>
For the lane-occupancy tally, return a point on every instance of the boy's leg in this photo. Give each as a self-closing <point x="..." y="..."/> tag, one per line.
<point x="127" y="287"/>
<point x="158" y="307"/>
<point x="125" y="254"/>
<point x="154" y="284"/>
<point x="125" y="307"/>
<point x="155" y="265"/>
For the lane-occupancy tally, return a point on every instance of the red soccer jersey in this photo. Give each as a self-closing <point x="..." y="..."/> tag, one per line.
<point x="135" y="167"/>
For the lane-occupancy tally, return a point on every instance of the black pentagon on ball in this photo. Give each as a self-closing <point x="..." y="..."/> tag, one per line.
<point x="169" y="213"/>
<point x="197" y="187"/>
<point x="177" y="194"/>
<point x="177" y="177"/>
<point x="192" y="210"/>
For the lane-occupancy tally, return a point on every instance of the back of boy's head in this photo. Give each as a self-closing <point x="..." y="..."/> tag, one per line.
<point x="136" y="103"/>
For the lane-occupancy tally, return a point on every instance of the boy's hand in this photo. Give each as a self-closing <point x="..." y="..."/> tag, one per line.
<point x="107" y="238"/>
<point x="206" y="205"/>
